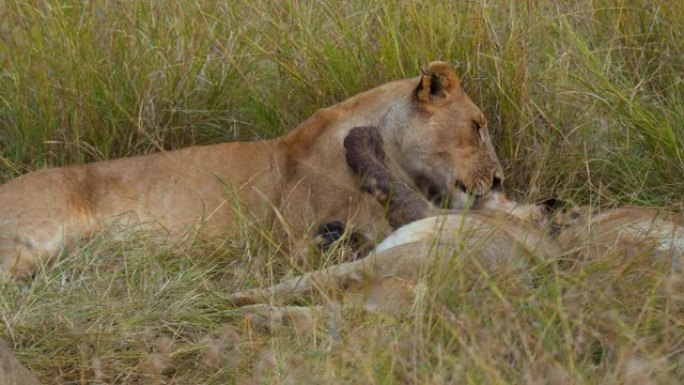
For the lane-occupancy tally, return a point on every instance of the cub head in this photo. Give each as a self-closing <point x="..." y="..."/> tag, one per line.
<point x="441" y="141"/>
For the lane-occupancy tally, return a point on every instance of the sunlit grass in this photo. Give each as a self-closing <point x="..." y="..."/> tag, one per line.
<point x="585" y="101"/>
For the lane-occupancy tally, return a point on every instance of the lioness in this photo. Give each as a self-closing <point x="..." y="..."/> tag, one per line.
<point x="435" y="137"/>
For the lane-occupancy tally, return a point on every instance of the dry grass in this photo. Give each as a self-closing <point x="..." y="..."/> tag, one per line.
<point x="121" y="312"/>
<point x="585" y="101"/>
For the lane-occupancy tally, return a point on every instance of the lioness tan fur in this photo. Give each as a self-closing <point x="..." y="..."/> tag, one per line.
<point x="436" y="139"/>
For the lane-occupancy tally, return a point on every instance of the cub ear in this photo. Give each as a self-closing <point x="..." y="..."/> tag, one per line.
<point x="437" y="80"/>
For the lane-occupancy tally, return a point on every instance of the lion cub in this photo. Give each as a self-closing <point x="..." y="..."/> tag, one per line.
<point x="430" y="243"/>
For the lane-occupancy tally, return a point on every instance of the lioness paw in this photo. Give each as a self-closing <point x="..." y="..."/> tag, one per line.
<point x="328" y="233"/>
<point x="333" y="233"/>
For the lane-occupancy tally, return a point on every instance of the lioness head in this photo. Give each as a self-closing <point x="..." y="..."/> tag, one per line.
<point x="442" y="142"/>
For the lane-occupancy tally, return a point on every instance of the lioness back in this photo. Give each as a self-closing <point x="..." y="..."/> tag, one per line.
<point x="170" y="191"/>
<point x="436" y="140"/>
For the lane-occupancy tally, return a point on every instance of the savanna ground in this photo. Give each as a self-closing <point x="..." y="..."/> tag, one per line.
<point x="585" y="101"/>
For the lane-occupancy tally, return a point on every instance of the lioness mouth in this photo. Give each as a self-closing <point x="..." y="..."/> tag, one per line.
<point x="443" y="198"/>
<point x="437" y="197"/>
<point x="434" y="192"/>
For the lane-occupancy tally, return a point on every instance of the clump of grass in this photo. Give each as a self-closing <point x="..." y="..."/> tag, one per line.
<point x="123" y="312"/>
<point x="585" y="101"/>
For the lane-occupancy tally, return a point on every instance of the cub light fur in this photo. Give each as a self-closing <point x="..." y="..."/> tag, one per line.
<point x="624" y="232"/>
<point x="436" y="139"/>
<point x="494" y="243"/>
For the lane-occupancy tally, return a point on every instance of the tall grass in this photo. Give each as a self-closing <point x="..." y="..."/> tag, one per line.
<point x="585" y="100"/>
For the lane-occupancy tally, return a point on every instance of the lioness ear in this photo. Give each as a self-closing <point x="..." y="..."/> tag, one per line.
<point x="436" y="81"/>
